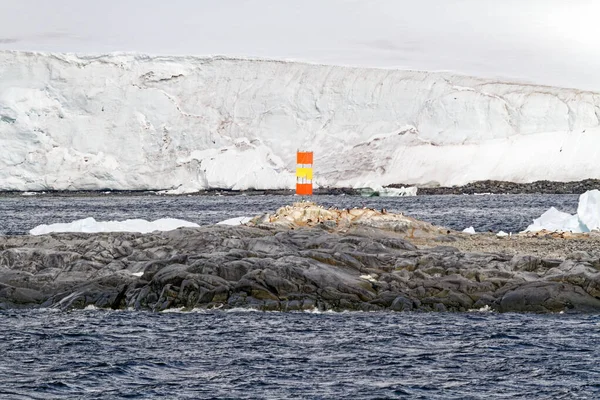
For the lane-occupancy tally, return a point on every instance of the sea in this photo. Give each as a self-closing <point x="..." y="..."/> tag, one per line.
<point x="241" y="354"/>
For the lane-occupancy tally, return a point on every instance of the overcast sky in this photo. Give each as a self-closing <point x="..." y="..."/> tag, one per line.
<point x="554" y="42"/>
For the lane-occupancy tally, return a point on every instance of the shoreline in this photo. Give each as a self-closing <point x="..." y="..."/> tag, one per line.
<point x="479" y="187"/>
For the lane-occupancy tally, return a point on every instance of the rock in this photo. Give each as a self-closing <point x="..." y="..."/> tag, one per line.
<point x="525" y="263"/>
<point x="270" y="266"/>
<point x="500" y="187"/>
<point x="548" y="297"/>
<point x="439" y="307"/>
<point x="401" y="303"/>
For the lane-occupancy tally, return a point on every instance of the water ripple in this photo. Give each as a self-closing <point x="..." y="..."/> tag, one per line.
<point x="108" y="354"/>
<point x="511" y="213"/>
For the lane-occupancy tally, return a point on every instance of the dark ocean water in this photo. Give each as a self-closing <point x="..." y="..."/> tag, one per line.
<point x="248" y="355"/>
<point x="95" y="354"/>
<point x="511" y="213"/>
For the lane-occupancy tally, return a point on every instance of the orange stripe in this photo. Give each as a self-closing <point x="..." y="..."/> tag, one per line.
<point x="304" y="157"/>
<point x="304" y="189"/>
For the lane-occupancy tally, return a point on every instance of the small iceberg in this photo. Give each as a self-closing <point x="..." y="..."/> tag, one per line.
<point x="587" y="218"/>
<point x="470" y="230"/>
<point x="235" y="221"/>
<point x="381" y="191"/>
<point x="90" y="225"/>
<point x="554" y="220"/>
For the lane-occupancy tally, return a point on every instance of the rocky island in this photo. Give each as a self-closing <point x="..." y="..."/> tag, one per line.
<point x="305" y="257"/>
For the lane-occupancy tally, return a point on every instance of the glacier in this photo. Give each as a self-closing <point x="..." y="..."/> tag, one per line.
<point x="181" y="124"/>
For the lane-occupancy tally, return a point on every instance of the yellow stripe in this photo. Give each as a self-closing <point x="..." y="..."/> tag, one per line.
<point x="306" y="173"/>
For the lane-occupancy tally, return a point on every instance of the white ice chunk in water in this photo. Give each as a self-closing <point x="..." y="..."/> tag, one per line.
<point x="90" y="225"/>
<point x="587" y="218"/>
<point x="235" y="221"/>
<point x="378" y="190"/>
<point x="398" y="192"/>
<point x="554" y="220"/>
<point x="588" y="210"/>
<point x="470" y="230"/>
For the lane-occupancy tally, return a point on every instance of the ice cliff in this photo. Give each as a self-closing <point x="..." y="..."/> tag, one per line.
<point x="127" y="121"/>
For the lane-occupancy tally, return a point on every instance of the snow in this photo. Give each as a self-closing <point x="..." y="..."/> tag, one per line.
<point x="587" y="218"/>
<point x="90" y="225"/>
<point x="182" y="124"/>
<point x="235" y="221"/>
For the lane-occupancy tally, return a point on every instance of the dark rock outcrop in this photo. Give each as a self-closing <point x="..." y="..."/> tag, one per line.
<point x="504" y="187"/>
<point x="279" y="268"/>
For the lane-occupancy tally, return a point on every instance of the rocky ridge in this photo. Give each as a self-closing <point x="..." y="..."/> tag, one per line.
<point x="301" y="257"/>
<point x="504" y="187"/>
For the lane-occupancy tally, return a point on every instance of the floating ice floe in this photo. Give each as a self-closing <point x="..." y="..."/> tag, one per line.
<point x="376" y="190"/>
<point x="470" y="230"/>
<point x="555" y="220"/>
<point x="90" y="225"/>
<point x="587" y="218"/>
<point x="235" y="221"/>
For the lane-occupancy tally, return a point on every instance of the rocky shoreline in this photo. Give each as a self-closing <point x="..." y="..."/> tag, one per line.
<point x="479" y="187"/>
<point x="303" y="258"/>
<point x="503" y="187"/>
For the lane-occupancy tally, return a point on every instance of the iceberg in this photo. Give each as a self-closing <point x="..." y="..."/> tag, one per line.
<point x="588" y="210"/>
<point x="378" y="190"/>
<point x="90" y="225"/>
<point x="587" y="218"/>
<point x="235" y="221"/>
<point x="554" y="220"/>
<point x="470" y="230"/>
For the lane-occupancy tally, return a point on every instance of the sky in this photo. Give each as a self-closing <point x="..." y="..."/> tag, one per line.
<point x="550" y="42"/>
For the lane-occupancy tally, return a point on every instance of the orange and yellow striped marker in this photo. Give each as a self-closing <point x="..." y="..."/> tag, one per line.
<point x="304" y="173"/>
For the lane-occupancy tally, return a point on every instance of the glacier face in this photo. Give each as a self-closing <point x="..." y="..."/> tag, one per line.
<point x="137" y="122"/>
